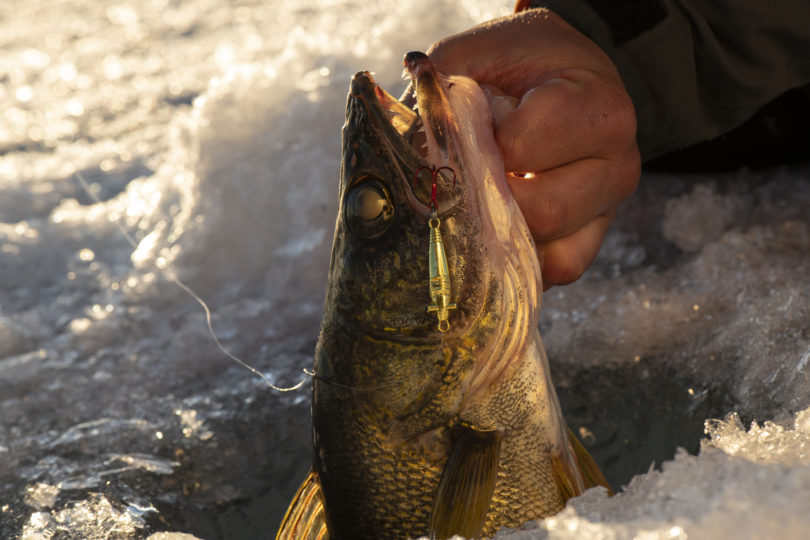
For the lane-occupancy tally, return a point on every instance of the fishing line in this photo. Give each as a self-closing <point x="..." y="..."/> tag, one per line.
<point x="168" y="274"/>
<point x="331" y="382"/>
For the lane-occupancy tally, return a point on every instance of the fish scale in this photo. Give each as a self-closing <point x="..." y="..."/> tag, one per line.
<point x="419" y="429"/>
<point x="401" y="483"/>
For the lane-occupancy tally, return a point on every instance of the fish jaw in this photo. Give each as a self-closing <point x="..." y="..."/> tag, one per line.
<point x="380" y="283"/>
<point x="376" y="331"/>
<point x="459" y="134"/>
<point x="366" y="287"/>
<point x="379" y="286"/>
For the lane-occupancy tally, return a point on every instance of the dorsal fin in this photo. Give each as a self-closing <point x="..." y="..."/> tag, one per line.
<point x="305" y="518"/>
<point x="467" y="483"/>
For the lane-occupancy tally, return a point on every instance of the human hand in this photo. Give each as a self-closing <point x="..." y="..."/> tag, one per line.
<point x="563" y="116"/>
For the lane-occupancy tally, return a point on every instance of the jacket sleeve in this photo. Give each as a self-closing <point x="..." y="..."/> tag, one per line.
<point x="696" y="69"/>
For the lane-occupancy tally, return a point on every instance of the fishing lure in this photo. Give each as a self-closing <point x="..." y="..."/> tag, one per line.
<point x="439" y="283"/>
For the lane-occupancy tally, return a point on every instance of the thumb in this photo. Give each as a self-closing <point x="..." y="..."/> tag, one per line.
<point x="500" y="103"/>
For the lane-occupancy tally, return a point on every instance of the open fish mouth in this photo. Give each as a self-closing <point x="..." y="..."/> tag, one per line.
<point x="439" y="142"/>
<point x="396" y="126"/>
<point x="402" y="116"/>
<point x="434" y="155"/>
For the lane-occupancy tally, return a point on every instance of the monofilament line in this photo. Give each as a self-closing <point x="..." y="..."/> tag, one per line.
<point x="174" y="279"/>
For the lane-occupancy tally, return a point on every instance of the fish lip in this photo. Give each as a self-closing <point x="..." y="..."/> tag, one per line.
<point x="432" y="102"/>
<point x="400" y="126"/>
<point x="415" y="62"/>
<point x="381" y="105"/>
<point x="381" y="108"/>
<point x="363" y="83"/>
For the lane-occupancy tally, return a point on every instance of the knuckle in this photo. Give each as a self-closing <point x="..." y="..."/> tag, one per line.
<point x="626" y="173"/>
<point x="626" y="115"/>
<point x="629" y="172"/>
<point x="449" y="55"/>
<point x="550" y="219"/>
<point x="620" y="114"/>
<point x="440" y="48"/>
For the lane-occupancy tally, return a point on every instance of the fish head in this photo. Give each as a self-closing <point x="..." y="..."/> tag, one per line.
<point x="379" y="267"/>
<point x="401" y="171"/>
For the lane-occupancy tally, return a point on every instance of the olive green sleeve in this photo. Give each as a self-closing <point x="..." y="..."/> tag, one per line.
<point x="695" y="68"/>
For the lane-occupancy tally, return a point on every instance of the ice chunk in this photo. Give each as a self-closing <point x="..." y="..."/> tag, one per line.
<point x="40" y="526"/>
<point x="769" y="443"/>
<point x="94" y="517"/>
<point x="716" y="212"/>
<point x="41" y="495"/>
<point x="172" y="536"/>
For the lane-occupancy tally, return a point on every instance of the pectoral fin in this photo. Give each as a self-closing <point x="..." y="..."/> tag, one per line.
<point x="575" y="470"/>
<point x="466" y="486"/>
<point x="591" y="473"/>
<point x="305" y="518"/>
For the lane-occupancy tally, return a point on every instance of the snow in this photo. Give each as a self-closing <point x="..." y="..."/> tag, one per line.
<point x="208" y="133"/>
<point x="744" y="484"/>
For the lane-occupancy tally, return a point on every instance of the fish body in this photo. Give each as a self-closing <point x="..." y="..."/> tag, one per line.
<point x="424" y="428"/>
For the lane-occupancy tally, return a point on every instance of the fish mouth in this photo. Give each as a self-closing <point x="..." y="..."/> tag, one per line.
<point x="402" y="122"/>
<point x="384" y="141"/>
<point x="399" y="126"/>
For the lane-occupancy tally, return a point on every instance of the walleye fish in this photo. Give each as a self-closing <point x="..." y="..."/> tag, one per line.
<point x="433" y="411"/>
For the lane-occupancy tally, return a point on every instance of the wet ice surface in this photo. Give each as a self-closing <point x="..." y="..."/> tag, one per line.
<point x="210" y="132"/>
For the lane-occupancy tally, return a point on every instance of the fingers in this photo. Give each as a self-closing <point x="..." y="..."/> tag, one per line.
<point x="558" y="202"/>
<point x="500" y="104"/>
<point x="568" y="210"/>
<point x="564" y="260"/>
<point x="519" y="52"/>
<point x="561" y="113"/>
<point x="575" y="115"/>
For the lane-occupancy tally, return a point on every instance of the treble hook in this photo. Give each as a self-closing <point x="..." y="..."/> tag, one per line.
<point x="437" y="260"/>
<point x="434" y="173"/>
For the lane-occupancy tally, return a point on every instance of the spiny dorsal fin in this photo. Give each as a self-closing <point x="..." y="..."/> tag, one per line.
<point x="468" y="480"/>
<point x="305" y="518"/>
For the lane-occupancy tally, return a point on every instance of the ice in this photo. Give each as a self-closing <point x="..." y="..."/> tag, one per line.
<point x="744" y="484"/>
<point x="95" y="517"/>
<point x="769" y="443"/>
<point x="41" y="495"/>
<point x="208" y="133"/>
<point x="716" y="213"/>
<point x="171" y="536"/>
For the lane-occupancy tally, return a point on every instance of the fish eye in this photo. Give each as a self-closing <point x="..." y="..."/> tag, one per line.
<point x="368" y="208"/>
